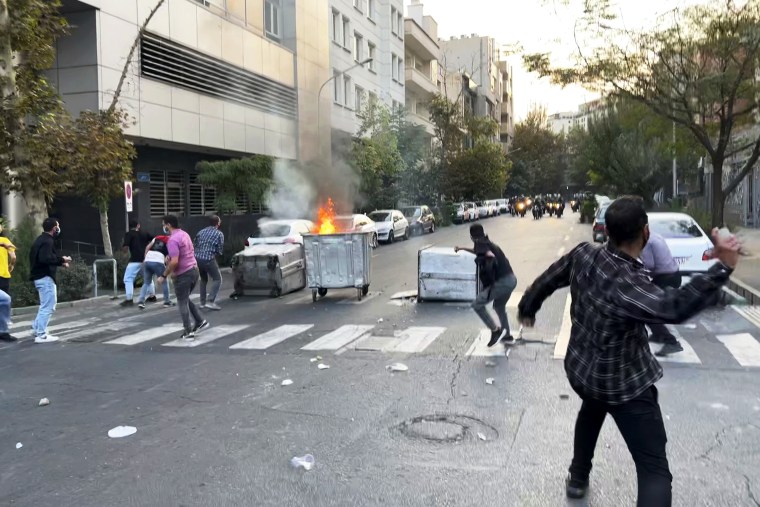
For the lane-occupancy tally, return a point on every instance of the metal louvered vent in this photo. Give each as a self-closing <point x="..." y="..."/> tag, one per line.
<point x="173" y="63"/>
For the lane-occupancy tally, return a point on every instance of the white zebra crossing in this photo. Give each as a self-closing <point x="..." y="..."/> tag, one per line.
<point x="58" y="327"/>
<point x="479" y="347"/>
<point x="147" y="335"/>
<point x="686" y="356"/>
<point x="744" y="348"/>
<point x="207" y="336"/>
<point x="273" y="337"/>
<point x="339" y="338"/>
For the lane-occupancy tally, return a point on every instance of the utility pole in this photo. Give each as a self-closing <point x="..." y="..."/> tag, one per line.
<point x="675" y="165"/>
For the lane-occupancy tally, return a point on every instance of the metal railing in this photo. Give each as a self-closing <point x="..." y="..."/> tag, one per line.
<point x="95" y="275"/>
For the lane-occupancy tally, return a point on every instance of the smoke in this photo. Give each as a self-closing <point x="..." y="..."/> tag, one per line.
<point x="293" y="194"/>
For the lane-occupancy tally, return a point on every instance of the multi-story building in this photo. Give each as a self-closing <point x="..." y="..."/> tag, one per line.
<point x="212" y="79"/>
<point x="421" y="62"/>
<point x="479" y="58"/>
<point x="563" y="123"/>
<point x="360" y="30"/>
<point x="507" y="127"/>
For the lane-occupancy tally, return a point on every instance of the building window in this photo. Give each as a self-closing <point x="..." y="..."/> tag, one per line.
<point x="401" y="70"/>
<point x="400" y="24"/>
<point x="201" y="199"/>
<point x="359" y="5"/>
<point x="167" y="193"/>
<point x="273" y="19"/>
<point x="394" y="17"/>
<point x="347" y="91"/>
<point x="358" y="47"/>
<point x="336" y="87"/>
<point x="394" y="67"/>
<point x="371" y="9"/>
<point x="372" y="53"/>
<point x="346" y="33"/>
<point x="336" y="26"/>
<point x="359" y="99"/>
<point x="372" y="98"/>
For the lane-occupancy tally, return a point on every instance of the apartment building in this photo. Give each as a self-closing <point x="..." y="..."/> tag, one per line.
<point x="421" y="53"/>
<point x="507" y="107"/>
<point x="213" y="79"/>
<point x="563" y="123"/>
<point x="360" y="30"/>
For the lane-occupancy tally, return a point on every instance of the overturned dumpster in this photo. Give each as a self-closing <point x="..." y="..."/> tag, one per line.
<point x="268" y="270"/>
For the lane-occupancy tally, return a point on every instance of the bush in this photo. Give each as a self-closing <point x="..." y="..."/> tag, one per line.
<point x="444" y="214"/>
<point x="74" y="282"/>
<point x="23" y="292"/>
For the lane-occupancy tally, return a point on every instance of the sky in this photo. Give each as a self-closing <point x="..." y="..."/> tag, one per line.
<point x="536" y="25"/>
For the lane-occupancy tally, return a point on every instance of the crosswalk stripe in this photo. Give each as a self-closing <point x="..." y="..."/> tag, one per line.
<point x="206" y="336"/>
<point x="563" y="337"/>
<point x="23" y="323"/>
<point x="416" y="339"/>
<point x="106" y="328"/>
<point x="751" y="313"/>
<point x="338" y="338"/>
<point x="273" y="337"/>
<point x="686" y="356"/>
<point x="58" y="327"/>
<point x="147" y="335"/>
<point x="744" y="348"/>
<point x="479" y="347"/>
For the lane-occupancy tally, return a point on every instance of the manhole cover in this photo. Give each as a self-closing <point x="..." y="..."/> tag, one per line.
<point x="447" y="428"/>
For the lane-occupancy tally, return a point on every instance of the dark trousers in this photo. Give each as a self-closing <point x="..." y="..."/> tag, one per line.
<point x="5" y="285"/>
<point x="640" y="422"/>
<point x="665" y="281"/>
<point x="183" y="287"/>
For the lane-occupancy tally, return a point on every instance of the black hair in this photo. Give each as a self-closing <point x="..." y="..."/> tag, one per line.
<point x="172" y="221"/>
<point x="49" y="224"/>
<point x="133" y="224"/>
<point x="625" y="220"/>
<point x="215" y="220"/>
<point x="476" y="231"/>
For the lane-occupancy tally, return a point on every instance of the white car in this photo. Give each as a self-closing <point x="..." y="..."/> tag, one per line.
<point x="357" y="223"/>
<point x="391" y="225"/>
<point x="494" y="207"/>
<point x="275" y="232"/>
<point x="484" y="209"/>
<point x="503" y="206"/>
<point x="690" y="246"/>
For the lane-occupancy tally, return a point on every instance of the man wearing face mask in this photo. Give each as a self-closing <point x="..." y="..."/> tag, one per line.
<point x="608" y="360"/>
<point x="44" y="260"/>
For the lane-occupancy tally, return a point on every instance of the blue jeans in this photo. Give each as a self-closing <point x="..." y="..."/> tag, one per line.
<point x="151" y="269"/>
<point x="5" y="311"/>
<point x="48" y="292"/>
<point x="130" y="275"/>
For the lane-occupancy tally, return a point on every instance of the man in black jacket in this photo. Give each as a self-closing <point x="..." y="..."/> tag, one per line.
<point x="44" y="260"/>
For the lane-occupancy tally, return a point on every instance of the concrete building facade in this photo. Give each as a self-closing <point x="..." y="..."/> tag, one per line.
<point x="507" y="106"/>
<point x="421" y="65"/>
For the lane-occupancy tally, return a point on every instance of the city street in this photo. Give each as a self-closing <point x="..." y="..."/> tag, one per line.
<point x="216" y="427"/>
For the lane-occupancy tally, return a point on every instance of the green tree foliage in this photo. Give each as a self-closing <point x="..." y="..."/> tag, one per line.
<point x="250" y="177"/>
<point x="698" y="69"/>
<point x="478" y="173"/>
<point x="537" y="154"/>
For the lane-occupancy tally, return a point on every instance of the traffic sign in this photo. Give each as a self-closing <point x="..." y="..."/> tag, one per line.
<point x="128" y="195"/>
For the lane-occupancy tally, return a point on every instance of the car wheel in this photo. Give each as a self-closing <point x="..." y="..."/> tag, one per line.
<point x="390" y="237"/>
<point x="432" y="227"/>
<point x="406" y="233"/>
<point x="374" y="241"/>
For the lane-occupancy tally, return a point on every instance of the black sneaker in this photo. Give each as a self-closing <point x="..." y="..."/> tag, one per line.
<point x="127" y="302"/>
<point x="657" y="339"/>
<point x="151" y="299"/>
<point x="669" y="348"/>
<point x="201" y="326"/>
<point x="495" y="335"/>
<point x="575" y="488"/>
<point x="6" y="337"/>
<point x="169" y="304"/>
<point x="188" y="335"/>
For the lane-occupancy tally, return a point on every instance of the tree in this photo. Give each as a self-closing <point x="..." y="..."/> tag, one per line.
<point x="28" y="31"/>
<point x="478" y="173"/>
<point x="249" y="177"/>
<point x="698" y="71"/>
<point x="419" y="179"/>
<point x="537" y="156"/>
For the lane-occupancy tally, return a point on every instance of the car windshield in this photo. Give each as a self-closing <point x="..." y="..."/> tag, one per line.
<point x="683" y="228"/>
<point x="412" y="212"/>
<point x="380" y="216"/>
<point x="272" y="231"/>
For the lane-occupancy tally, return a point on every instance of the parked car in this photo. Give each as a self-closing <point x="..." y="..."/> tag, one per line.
<point x="460" y="214"/>
<point x="473" y="209"/>
<point x="274" y="232"/>
<point x="503" y="205"/>
<point x="421" y="219"/>
<point x="691" y="247"/>
<point x="484" y="210"/>
<point x="493" y="205"/>
<point x="598" y="229"/>
<point x="391" y="225"/>
<point x="357" y="223"/>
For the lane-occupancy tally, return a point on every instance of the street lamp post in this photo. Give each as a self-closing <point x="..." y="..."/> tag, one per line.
<point x="319" y="98"/>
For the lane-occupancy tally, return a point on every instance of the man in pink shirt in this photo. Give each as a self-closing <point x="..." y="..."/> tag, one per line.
<point x="183" y="268"/>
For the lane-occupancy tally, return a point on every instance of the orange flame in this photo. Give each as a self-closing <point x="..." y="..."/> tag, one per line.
<point x="326" y="218"/>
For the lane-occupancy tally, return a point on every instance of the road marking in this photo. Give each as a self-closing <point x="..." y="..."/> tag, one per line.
<point x="572" y="229"/>
<point x="206" y="336"/>
<point x="273" y="337"/>
<point x="479" y="347"/>
<point x="416" y="339"/>
<point x="147" y="335"/>
<point x="563" y="338"/>
<point x="339" y="338"/>
<point x="686" y="356"/>
<point x="23" y="323"/>
<point x="58" y="327"/>
<point x="751" y="313"/>
<point x="111" y="327"/>
<point x="352" y="301"/>
<point x="744" y="347"/>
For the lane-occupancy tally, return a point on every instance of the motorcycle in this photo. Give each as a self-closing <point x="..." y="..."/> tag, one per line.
<point x="560" y="209"/>
<point x="575" y="205"/>
<point x="521" y="209"/>
<point x="550" y="207"/>
<point x="536" y="212"/>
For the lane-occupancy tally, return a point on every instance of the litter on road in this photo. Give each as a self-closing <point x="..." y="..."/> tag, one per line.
<point x="122" y="431"/>
<point x="490" y="364"/>
<point x="44" y="402"/>
<point x="286" y="382"/>
<point x="305" y="462"/>
<point x="323" y="366"/>
<point x="490" y="381"/>
<point x="397" y="367"/>
<point x="481" y="436"/>
<point x="380" y="320"/>
<point x="19" y="445"/>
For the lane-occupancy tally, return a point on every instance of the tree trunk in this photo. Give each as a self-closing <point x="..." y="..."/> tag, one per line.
<point x="107" y="246"/>
<point x="718" y="196"/>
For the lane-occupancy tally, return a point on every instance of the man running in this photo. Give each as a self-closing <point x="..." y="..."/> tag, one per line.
<point x="608" y="362"/>
<point x="498" y="281"/>
<point x="183" y="268"/>
<point x="135" y="241"/>
<point x="209" y="242"/>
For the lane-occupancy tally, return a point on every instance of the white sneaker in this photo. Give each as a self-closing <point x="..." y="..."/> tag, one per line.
<point x="49" y="338"/>
<point x="213" y="306"/>
<point x="202" y="306"/>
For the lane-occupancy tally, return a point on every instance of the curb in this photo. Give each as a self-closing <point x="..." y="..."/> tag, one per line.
<point x="744" y="290"/>
<point x="25" y="310"/>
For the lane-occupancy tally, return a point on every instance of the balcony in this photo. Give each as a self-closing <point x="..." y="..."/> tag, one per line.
<point x="417" y="41"/>
<point x="416" y="119"/>
<point x="419" y="83"/>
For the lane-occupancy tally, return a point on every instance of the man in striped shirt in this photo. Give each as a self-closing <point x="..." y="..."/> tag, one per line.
<point x="608" y="362"/>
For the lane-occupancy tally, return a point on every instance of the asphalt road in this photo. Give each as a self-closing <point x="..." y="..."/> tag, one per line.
<point x="216" y="427"/>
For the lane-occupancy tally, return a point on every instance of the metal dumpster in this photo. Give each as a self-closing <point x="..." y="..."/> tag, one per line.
<point x="445" y="275"/>
<point x="268" y="270"/>
<point x="338" y="261"/>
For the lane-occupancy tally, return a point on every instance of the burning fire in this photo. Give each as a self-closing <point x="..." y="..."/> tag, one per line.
<point x="326" y="218"/>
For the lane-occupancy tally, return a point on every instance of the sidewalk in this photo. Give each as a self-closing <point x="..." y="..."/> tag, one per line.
<point x="746" y="279"/>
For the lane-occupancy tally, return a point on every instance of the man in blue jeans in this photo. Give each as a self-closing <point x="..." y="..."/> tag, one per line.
<point x="154" y="265"/>
<point x="44" y="260"/>
<point x="136" y="241"/>
<point x="209" y="242"/>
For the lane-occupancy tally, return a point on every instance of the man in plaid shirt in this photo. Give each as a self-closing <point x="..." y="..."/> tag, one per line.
<point x="608" y="362"/>
<point x="209" y="242"/>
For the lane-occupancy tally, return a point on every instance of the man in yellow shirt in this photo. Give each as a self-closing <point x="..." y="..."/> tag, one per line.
<point x="7" y="261"/>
